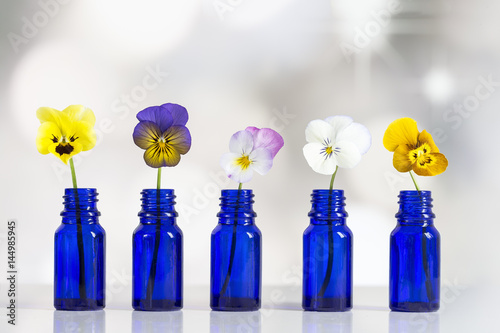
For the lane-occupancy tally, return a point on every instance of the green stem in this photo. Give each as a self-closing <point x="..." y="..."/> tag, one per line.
<point x="154" y="261"/>
<point x="329" y="266"/>
<point x="333" y="178"/>
<point x="82" y="288"/>
<point x="73" y="173"/>
<point x="158" y="179"/>
<point x="414" y="181"/>
<point x="233" y="247"/>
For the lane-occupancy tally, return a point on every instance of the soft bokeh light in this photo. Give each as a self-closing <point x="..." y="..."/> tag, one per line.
<point x="143" y="28"/>
<point x="438" y="86"/>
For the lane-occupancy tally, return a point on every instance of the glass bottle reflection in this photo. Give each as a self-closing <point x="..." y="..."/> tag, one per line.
<point x="427" y="322"/>
<point x="164" y="322"/>
<point x="337" y="322"/>
<point x="79" y="321"/>
<point x="248" y="322"/>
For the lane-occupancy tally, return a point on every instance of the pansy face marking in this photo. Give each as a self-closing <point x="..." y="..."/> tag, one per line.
<point x="162" y="133"/>
<point x="335" y="142"/>
<point x="250" y="150"/>
<point x="65" y="133"/>
<point x="413" y="150"/>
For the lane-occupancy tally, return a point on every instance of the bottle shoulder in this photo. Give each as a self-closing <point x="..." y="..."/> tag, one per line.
<point x="167" y="230"/>
<point x="429" y="230"/>
<point x="339" y="230"/>
<point x="249" y="229"/>
<point x="94" y="229"/>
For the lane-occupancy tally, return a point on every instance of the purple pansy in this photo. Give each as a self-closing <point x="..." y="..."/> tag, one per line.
<point x="162" y="133"/>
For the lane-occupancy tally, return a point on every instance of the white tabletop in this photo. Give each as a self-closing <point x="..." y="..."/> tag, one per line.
<point x="281" y="312"/>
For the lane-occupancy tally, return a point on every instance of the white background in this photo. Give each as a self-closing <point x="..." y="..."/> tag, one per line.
<point x="236" y="63"/>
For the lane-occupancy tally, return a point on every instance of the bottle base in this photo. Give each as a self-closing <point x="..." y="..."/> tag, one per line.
<point x="156" y="305"/>
<point x="78" y="304"/>
<point x="327" y="304"/>
<point x="234" y="304"/>
<point x="415" y="306"/>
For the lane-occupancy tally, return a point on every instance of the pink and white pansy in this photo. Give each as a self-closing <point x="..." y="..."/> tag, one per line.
<point x="250" y="150"/>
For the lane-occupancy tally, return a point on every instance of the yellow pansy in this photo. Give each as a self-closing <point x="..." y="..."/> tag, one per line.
<point x="413" y="150"/>
<point x="65" y="133"/>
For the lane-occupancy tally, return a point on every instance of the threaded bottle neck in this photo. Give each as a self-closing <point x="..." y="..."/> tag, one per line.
<point x="415" y="207"/>
<point x="80" y="203"/>
<point x="328" y="206"/>
<point x="157" y="204"/>
<point x="236" y="205"/>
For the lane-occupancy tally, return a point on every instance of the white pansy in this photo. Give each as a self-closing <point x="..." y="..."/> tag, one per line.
<point x="335" y="141"/>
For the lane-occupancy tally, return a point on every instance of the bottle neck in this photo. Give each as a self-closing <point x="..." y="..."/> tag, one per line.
<point x="80" y="206"/>
<point x="415" y="208"/>
<point x="236" y="206"/>
<point x="328" y="207"/>
<point x="158" y="206"/>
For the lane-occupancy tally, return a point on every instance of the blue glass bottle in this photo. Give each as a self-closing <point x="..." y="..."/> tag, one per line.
<point x="235" y="270"/>
<point x="157" y="254"/>
<point x="327" y="255"/>
<point x="79" y="254"/>
<point x="415" y="255"/>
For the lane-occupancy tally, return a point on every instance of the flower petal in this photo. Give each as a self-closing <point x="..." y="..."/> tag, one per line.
<point x="178" y="112"/>
<point x="266" y="138"/>
<point x="347" y="154"/>
<point x="243" y="176"/>
<point x="402" y="131"/>
<point x="80" y="113"/>
<point x="401" y="159"/>
<point x="436" y="164"/>
<point x="46" y="114"/>
<point x="241" y="143"/>
<point x="313" y="152"/>
<point x="161" y="155"/>
<point x="48" y="132"/>
<point x="65" y="151"/>
<point x="233" y="170"/>
<point x="319" y="131"/>
<point x="179" y="138"/>
<point x="158" y="115"/>
<point x="83" y="133"/>
<point x="146" y="134"/>
<point x="357" y="134"/>
<point x="252" y="129"/>
<point x="338" y="123"/>
<point x="261" y="160"/>
<point x="426" y="137"/>
<point x="227" y="160"/>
